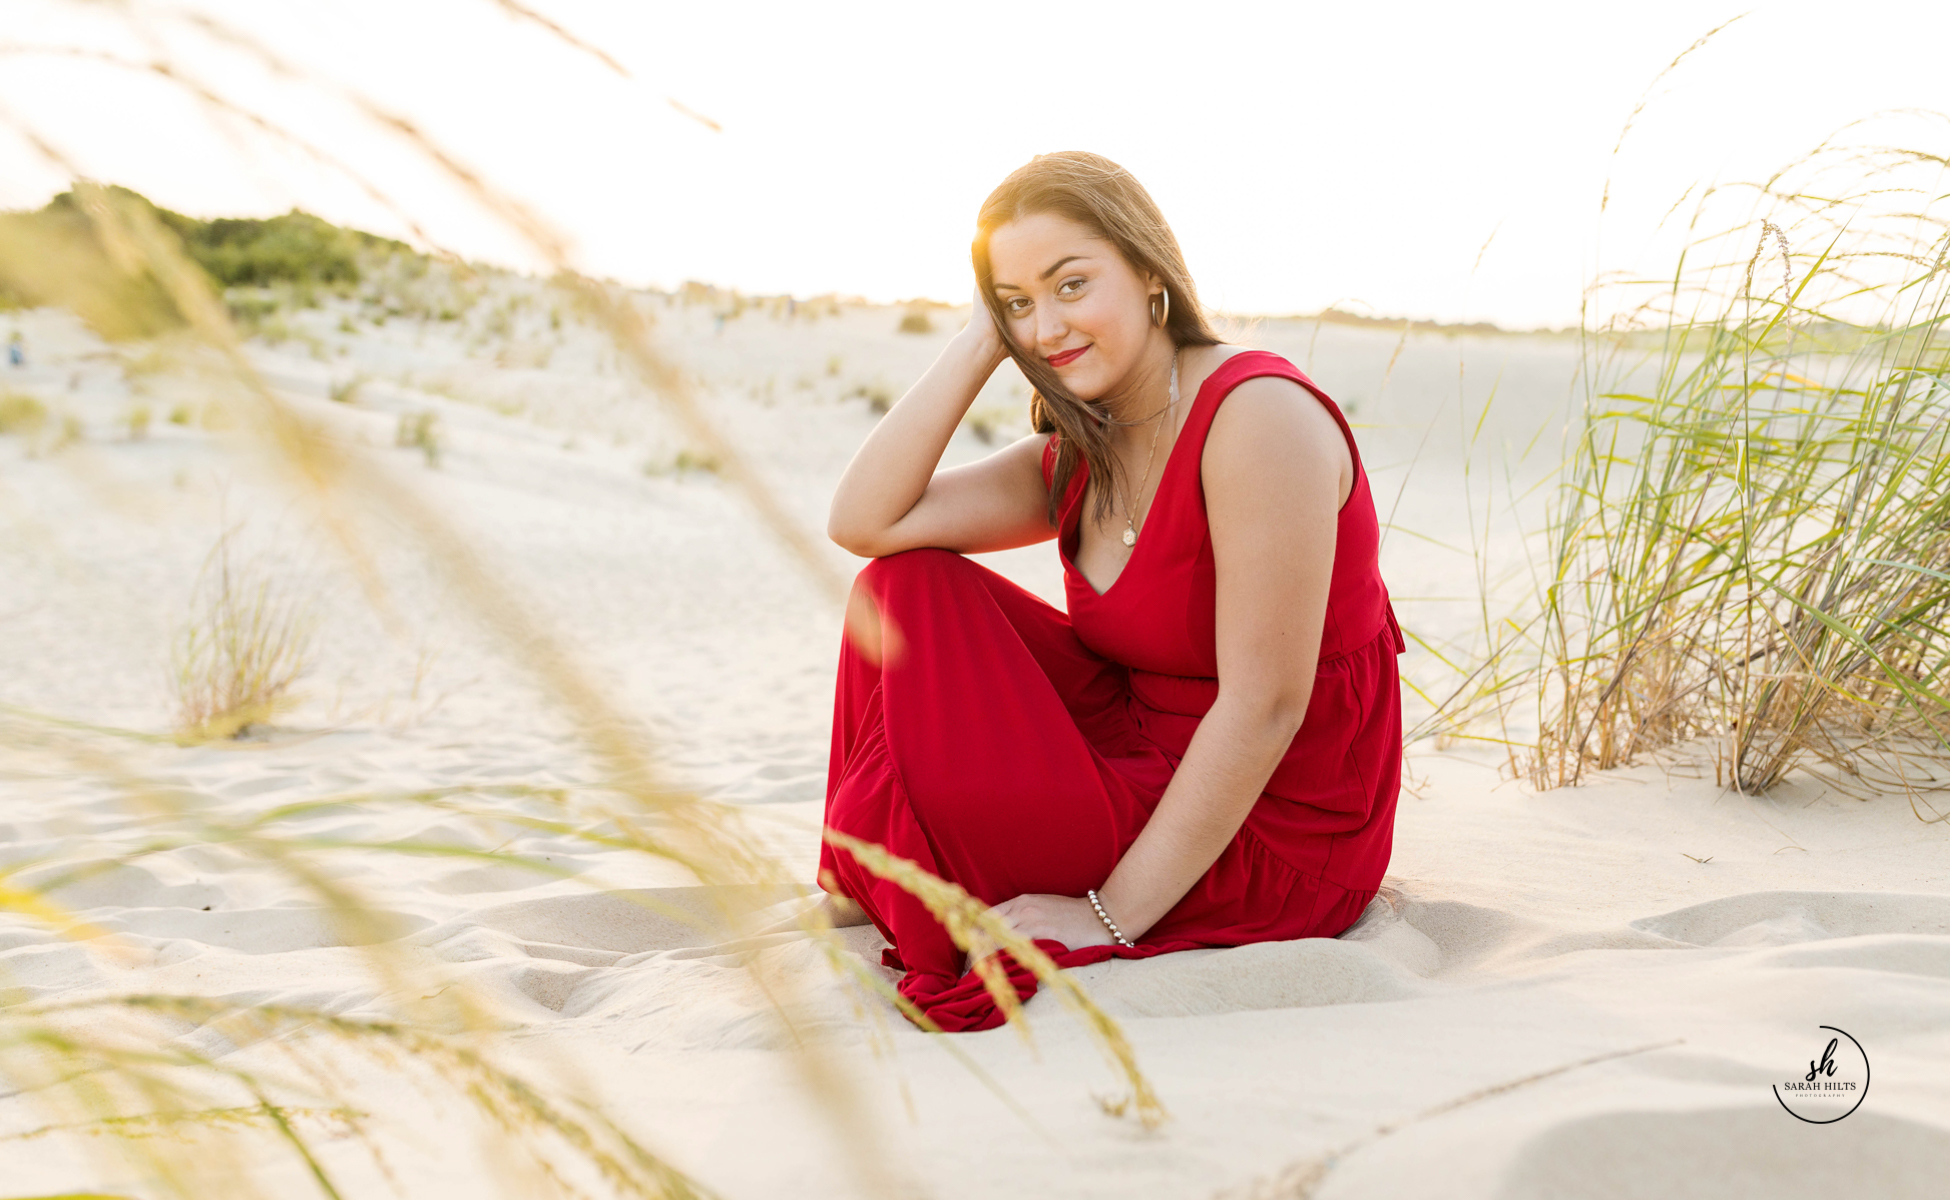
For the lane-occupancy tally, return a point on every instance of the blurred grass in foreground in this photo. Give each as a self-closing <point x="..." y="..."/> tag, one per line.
<point x="233" y="1086"/>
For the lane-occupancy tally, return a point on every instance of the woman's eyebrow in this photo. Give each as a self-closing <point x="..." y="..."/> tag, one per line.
<point x="1054" y="268"/>
<point x="1058" y="265"/>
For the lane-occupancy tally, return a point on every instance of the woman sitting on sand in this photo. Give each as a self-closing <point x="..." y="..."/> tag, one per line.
<point x="1206" y="750"/>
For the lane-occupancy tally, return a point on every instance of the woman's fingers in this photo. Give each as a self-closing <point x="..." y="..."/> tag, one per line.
<point x="1009" y="912"/>
<point x="981" y="324"/>
<point x="1028" y="916"/>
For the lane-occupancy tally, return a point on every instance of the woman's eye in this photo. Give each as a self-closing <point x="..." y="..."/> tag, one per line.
<point x="1017" y="306"/>
<point x="1069" y="285"/>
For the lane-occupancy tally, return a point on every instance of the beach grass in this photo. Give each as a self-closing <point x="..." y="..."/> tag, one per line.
<point x="1747" y="547"/>
<point x="1755" y="550"/>
<point x="420" y="431"/>
<point x="249" y="641"/>
<point x="21" y="415"/>
<point x="123" y="1066"/>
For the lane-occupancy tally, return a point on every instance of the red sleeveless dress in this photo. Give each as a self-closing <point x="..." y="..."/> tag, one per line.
<point x="1013" y="749"/>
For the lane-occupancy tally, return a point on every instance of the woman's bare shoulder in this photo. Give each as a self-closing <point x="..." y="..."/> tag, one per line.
<point x="1269" y="424"/>
<point x="1252" y="401"/>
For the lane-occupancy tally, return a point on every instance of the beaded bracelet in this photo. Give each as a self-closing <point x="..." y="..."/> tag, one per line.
<point x="1105" y="918"/>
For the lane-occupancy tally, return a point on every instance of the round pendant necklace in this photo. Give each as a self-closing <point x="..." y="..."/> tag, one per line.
<point x="1130" y="509"/>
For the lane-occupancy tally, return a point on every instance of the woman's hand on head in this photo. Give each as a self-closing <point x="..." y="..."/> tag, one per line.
<point x="1066" y="919"/>
<point x="895" y="495"/>
<point x="982" y="335"/>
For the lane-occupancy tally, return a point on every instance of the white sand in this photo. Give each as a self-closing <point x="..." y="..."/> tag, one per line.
<point x="1519" y="932"/>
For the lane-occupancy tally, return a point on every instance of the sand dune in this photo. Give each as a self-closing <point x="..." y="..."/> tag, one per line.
<point x="1655" y="951"/>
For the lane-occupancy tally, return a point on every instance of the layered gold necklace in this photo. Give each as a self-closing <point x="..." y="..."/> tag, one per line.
<point x="1130" y="509"/>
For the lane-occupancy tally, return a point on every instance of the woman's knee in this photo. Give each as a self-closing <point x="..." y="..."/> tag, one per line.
<point x="922" y="563"/>
<point x="882" y="584"/>
<point x="920" y="572"/>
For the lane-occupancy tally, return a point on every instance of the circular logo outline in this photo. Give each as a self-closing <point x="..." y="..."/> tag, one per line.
<point x="1858" y="1100"/>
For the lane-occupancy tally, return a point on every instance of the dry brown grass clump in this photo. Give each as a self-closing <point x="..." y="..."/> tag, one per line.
<point x="246" y="646"/>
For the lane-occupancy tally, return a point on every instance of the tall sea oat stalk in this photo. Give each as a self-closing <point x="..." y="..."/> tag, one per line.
<point x="983" y="935"/>
<point x="640" y="808"/>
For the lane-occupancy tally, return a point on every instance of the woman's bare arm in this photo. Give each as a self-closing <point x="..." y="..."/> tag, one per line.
<point x="1276" y="471"/>
<point x="892" y="498"/>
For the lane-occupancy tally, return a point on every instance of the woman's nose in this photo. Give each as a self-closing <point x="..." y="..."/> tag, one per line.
<point x="1050" y="328"/>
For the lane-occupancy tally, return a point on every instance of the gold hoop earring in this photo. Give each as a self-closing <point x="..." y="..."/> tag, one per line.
<point x="1160" y="317"/>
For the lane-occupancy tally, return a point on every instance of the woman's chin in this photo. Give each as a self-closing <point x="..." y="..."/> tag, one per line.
<point x="1085" y="384"/>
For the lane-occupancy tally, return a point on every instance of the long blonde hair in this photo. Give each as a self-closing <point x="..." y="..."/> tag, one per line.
<point x="1107" y="199"/>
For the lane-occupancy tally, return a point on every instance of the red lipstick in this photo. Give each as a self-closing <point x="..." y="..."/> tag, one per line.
<point x="1067" y="357"/>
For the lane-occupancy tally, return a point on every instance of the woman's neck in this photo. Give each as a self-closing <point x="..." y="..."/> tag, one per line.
<point x="1147" y="389"/>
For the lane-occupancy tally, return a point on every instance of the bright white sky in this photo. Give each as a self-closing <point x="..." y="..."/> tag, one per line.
<point x="1306" y="153"/>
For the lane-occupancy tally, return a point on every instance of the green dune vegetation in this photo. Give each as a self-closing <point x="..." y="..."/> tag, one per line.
<point x="1748" y="540"/>
<point x="57" y="256"/>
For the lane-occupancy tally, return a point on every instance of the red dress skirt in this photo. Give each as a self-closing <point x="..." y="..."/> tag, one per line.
<point x="1013" y="749"/>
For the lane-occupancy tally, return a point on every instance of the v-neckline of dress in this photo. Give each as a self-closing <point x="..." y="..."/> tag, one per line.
<point x="1171" y="460"/>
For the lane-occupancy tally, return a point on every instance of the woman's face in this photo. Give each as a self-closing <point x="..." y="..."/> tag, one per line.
<point x="1069" y="297"/>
